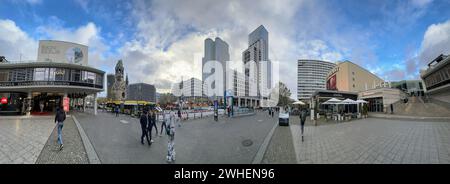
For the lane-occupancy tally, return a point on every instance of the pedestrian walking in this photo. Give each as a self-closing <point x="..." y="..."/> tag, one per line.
<point x="153" y="120"/>
<point x="179" y="118"/>
<point x="392" y="108"/>
<point x="302" y="121"/>
<point x="117" y="111"/>
<point x="59" y="120"/>
<point x="171" y="142"/>
<point x="165" y="119"/>
<point x="144" y="124"/>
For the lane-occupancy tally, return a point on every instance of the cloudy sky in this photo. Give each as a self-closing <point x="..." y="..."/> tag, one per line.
<point x="160" y="41"/>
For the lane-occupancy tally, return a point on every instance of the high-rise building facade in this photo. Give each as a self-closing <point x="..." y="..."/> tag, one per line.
<point x="311" y="76"/>
<point x="258" y="51"/>
<point x="217" y="50"/>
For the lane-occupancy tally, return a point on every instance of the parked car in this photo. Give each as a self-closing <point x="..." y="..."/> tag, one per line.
<point x="283" y="118"/>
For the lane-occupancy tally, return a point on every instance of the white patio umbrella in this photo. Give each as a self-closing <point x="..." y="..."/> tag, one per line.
<point x="333" y="101"/>
<point x="348" y="101"/>
<point x="298" y="103"/>
<point x="361" y="101"/>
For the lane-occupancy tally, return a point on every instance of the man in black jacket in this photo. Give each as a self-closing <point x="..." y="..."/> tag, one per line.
<point x="59" y="119"/>
<point x="302" y="121"/>
<point x="152" y="123"/>
<point x="144" y="123"/>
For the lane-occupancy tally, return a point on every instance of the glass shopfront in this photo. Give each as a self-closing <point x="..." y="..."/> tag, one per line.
<point x="50" y="76"/>
<point x="375" y="104"/>
<point x="26" y="89"/>
<point x="12" y="103"/>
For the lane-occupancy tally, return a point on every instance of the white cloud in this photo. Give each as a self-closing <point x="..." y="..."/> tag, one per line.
<point x="83" y="4"/>
<point x="165" y="26"/>
<point x="34" y="1"/>
<point x="15" y="44"/>
<point x="88" y="34"/>
<point x="421" y="3"/>
<point x="435" y="42"/>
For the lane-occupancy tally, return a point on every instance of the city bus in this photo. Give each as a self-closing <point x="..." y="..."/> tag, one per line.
<point x="130" y="107"/>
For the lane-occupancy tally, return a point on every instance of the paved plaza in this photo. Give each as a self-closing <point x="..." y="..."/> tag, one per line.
<point x="200" y="141"/>
<point x="22" y="139"/>
<point x="230" y="140"/>
<point x="368" y="141"/>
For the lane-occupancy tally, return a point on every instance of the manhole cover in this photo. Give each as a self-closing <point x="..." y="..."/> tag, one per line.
<point x="247" y="143"/>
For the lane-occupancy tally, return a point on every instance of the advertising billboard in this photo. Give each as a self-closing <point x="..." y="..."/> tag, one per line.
<point x="66" y="103"/>
<point x="62" y="52"/>
<point x="331" y="83"/>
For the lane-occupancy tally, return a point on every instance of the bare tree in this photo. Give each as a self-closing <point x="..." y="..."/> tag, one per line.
<point x="285" y="95"/>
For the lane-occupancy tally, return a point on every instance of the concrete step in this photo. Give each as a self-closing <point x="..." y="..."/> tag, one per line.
<point x="417" y="107"/>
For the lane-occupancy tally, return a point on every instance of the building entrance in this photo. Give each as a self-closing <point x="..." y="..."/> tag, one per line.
<point x="375" y="104"/>
<point x="45" y="103"/>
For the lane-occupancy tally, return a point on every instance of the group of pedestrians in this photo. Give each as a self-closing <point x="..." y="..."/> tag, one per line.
<point x="271" y="112"/>
<point x="148" y="122"/>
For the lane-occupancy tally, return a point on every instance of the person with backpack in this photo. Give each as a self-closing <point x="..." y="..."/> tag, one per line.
<point x="59" y="120"/>
<point x="144" y="124"/>
<point x="302" y="121"/>
<point x="170" y="129"/>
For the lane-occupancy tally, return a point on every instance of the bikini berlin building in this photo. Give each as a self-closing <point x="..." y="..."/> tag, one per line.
<point x="60" y="73"/>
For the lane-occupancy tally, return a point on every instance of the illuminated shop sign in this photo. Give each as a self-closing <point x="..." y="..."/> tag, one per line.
<point x="4" y="100"/>
<point x="334" y="70"/>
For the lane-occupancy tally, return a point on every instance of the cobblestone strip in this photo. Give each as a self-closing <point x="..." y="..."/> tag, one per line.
<point x="73" y="152"/>
<point x="92" y="155"/>
<point x="262" y="149"/>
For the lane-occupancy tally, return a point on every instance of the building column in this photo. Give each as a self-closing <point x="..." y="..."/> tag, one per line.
<point x="239" y="102"/>
<point x="95" y="103"/>
<point x="84" y="104"/>
<point x="28" y="110"/>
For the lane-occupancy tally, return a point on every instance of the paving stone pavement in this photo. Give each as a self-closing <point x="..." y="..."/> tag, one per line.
<point x="281" y="148"/>
<point x="374" y="141"/>
<point x="73" y="152"/>
<point x="201" y="141"/>
<point x="22" y="139"/>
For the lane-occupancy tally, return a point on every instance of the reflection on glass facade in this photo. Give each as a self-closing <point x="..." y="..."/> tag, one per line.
<point x="81" y="77"/>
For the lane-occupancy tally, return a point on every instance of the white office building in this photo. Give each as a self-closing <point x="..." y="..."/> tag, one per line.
<point x="311" y="76"/>
<point x="258" y="51"/>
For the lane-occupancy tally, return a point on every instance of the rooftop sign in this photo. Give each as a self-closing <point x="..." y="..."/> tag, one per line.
<point x="62" y="52"/>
